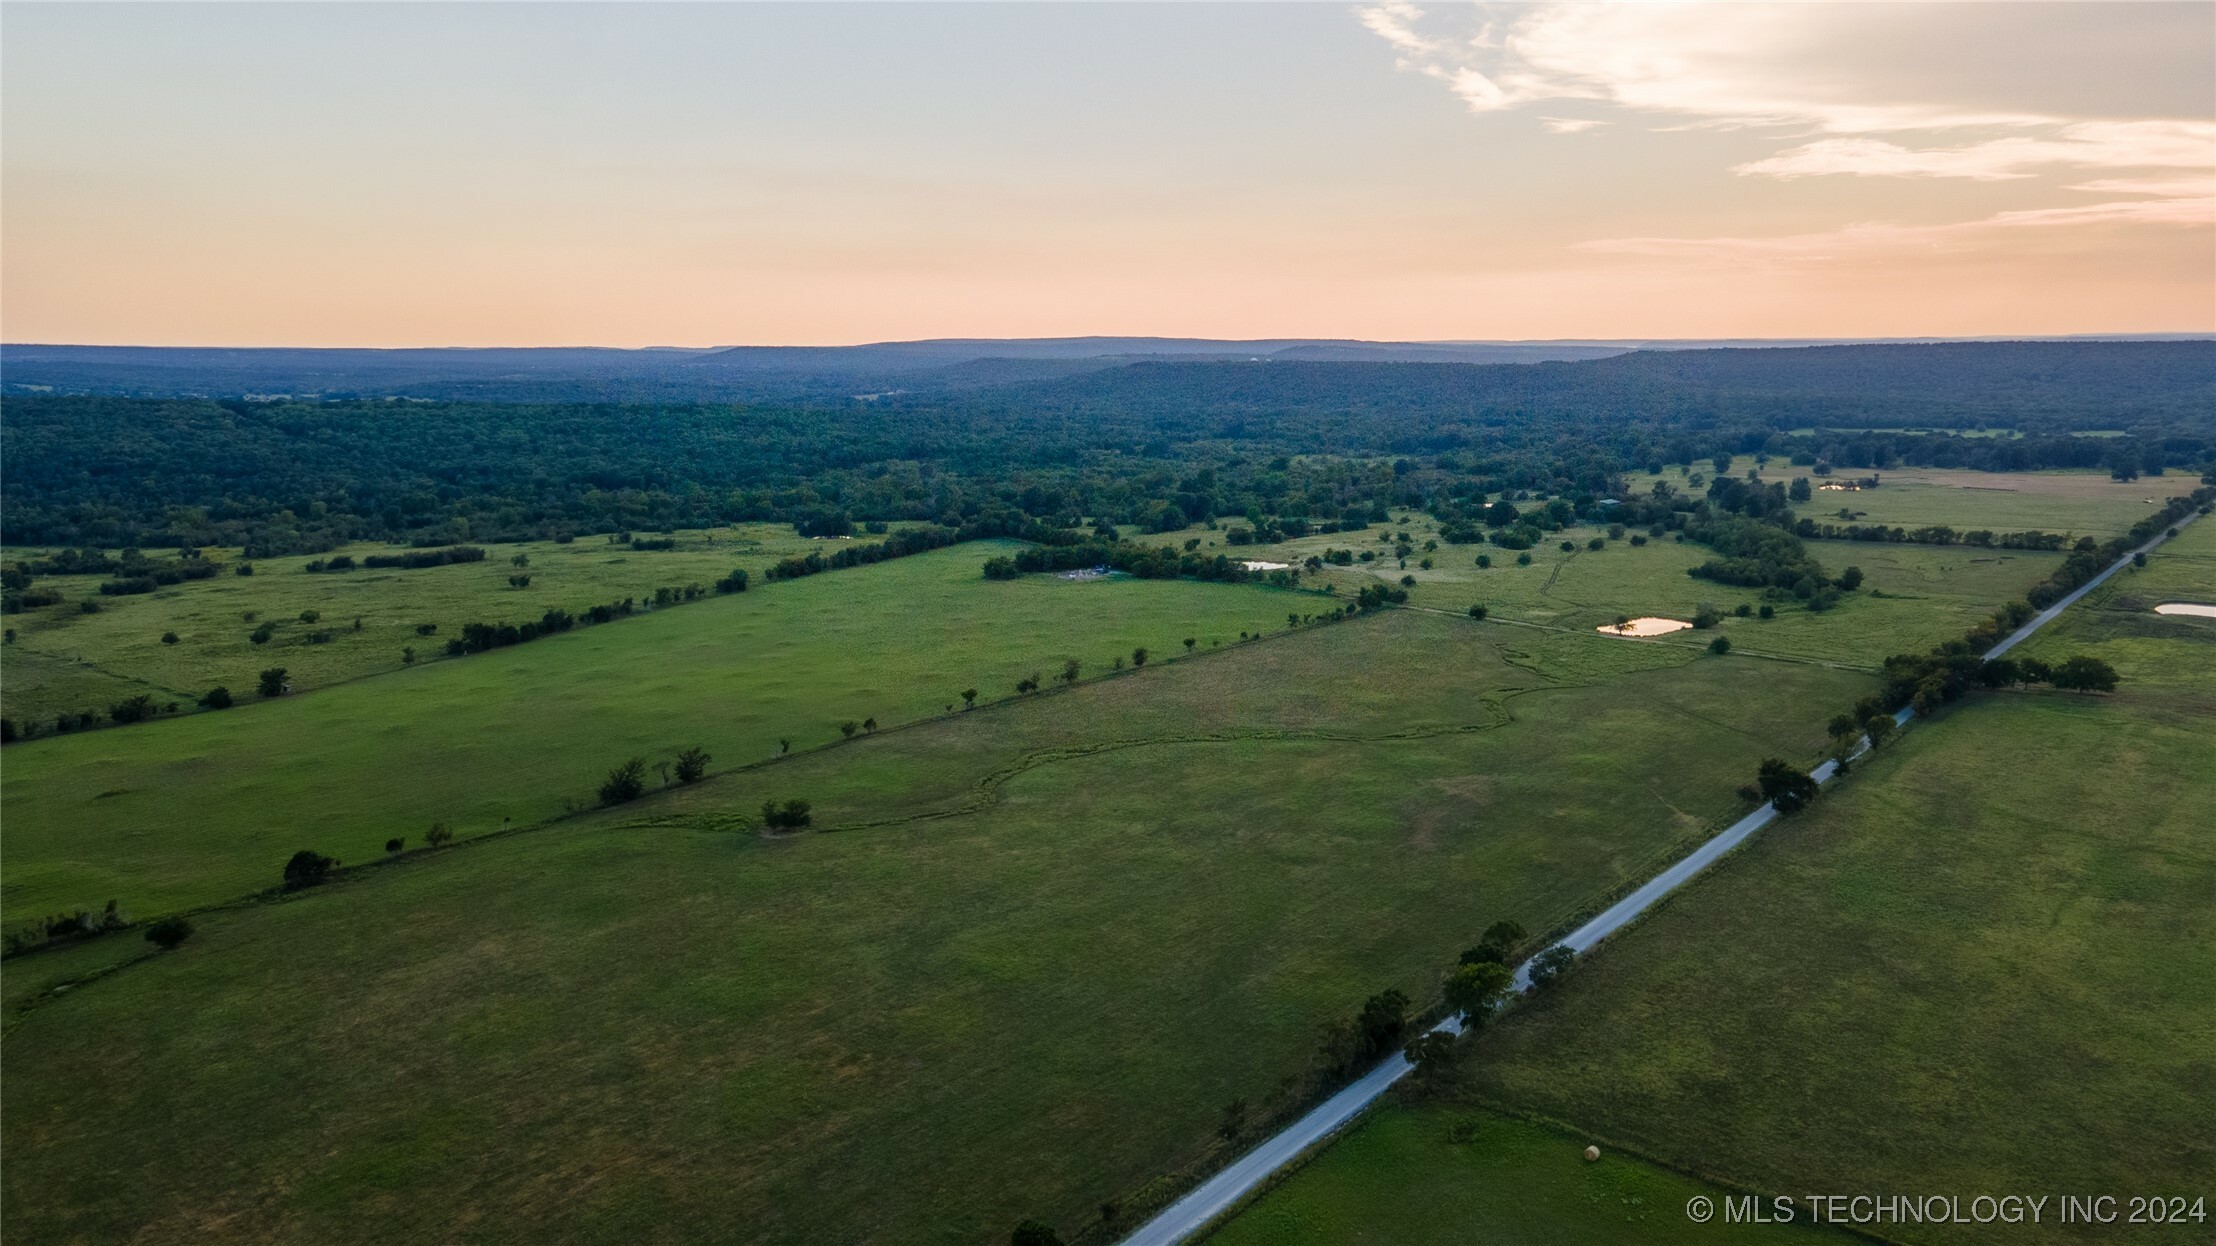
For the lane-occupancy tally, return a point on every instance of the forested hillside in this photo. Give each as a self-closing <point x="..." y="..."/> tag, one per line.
<point x="1156" y="443"/>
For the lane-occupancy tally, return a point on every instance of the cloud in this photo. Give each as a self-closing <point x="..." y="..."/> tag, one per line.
<point x="1842" y="90"/>
<point x="1871" y="236"/>
<point x="2130" y="144"/>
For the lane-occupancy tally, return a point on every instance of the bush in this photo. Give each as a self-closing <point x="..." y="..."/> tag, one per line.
<point x="1705" y="618"/>
<point x="792" y="815"/>
<point x="626" y="782"/>
<point x="311" y="616"/>
<point x="273" y="682"/>
<point x="1551" y="964"/>
<point x="217" y="699"/>
<point x="1477" y="612"/>
<point x="1720" y="646"/>
<point x="1767" y="612"/>
<point x="308" y="869"/>
<point x="692" y="764"/>
<point x="169" y="638"/>
<point x="169" y="932"/>
<point x="439" y="835"/>
<point x="394" y="845"/>
<point x="132" y="709"/>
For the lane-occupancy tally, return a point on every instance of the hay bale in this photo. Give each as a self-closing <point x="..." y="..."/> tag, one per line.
<point x="1592" y="1153"/>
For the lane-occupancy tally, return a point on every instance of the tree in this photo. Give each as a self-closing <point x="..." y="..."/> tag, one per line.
<point x="1786" y="785"/>
<point x="1432" y="1053"/>
<point x="1034" y="1233"/>
<point x="1484" y="561"/>
<point x="2085" y="673"/>
<point x="848" y="727"/>
<point x="869" y="725"/>
<point x="520" y="561"/>
<point x="1720" y="646"/>
<point x="308" y="869"/>
<point x="1767" y="612"/>
<point x="273" y="682"/>
<point x="169" y="638"/>
<point x="311" y="616"/>
<point x="1188" y="644"/>
<point x="1850" y="579"/>
<point x="1495" y="944"/>
<point x="1798" y="491"/>
<point x="1879" y="727"/>
<point x="1474" y="990"/>
<point x="1551" y="964"/>
<point x="1069" y="671"/>
<point x="969" y="698"/>
<point x="624" y="783"/>
<point x="131" y="710"/>
<point x="169" y="932"/>
<point x="1382" y="1019"/>
<point x="439" y="835"/>
<point x="394" y="845"/>
<point x="407" y="655"/>
<point x="1138" y="657"/>
<point x="692" y="764"/>
<point x="790" y="816"/>
<point x="1478" y="612"/>
<point x="1234" y="1120"/>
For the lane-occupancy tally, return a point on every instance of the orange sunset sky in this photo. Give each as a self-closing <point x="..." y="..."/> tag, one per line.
<point x="409" y="175"/>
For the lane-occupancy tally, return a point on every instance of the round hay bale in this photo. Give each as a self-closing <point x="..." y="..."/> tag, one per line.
<point x="1592" y="1153"/>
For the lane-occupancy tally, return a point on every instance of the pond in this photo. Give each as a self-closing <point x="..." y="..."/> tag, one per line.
<point x="1643" y="627"/>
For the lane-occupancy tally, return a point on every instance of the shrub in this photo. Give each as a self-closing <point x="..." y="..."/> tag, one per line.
<point x="308" y="869"/>
<point x="169" y="638"/>
<point x="1596" y="543"/>
<point x="1478" y="612"/>
<point x="624" y="783"/>
<point x="394" y="845"/>
<point x="273" y="682"/>
<point x="1551" y="964"/>
<point x="311" y="616"/>
<point x="1705" y="618"/>
<point x="1720" y="646"/>
<point x="244" y="568"/>
<point x="132" y="709"/>
<point x="692" y="764"/>
<point x="169" y="932"/>
<point x="792" y="815"/>
<point x="1767" y="612"/>
<point x="217" y="699"/>
<point x="439" y="835"/>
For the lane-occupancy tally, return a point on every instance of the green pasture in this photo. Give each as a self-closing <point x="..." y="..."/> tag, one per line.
<point x="1913" y="596"/>
<point x="66" y="661"/>
<point x="201" y="808"/>
<point x="1981" y="964"/>
<point x="1452" y="1174"/>
<point x="1022" y="962"/>
<point x="2086" y="503"/>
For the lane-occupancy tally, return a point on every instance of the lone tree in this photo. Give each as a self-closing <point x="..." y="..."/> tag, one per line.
<point x="1786" y="785"/>
<point x="308" y="869"/>
<point x="1720" y="646"/>
<point x="692" y="764"/>
<point x="1138" y="657"/>
<point x="1034" y="1233"/>
<point x="848" y="728"/>
<point x="1189" y="644"/>
<point x="969" y="698"/>
<point x="394" y="845"/>
<point x="273" y="682"/>
<point x="439" y="835"/>
<point x="169" y="932"/>
<point x="625" y="782"/>
<point x="1478" y="612"/>
<point x="1069" y="671"/>
<point x="2085" y="674"/>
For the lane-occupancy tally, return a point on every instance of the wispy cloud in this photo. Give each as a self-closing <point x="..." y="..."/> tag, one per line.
<point x="1819" y="82"/>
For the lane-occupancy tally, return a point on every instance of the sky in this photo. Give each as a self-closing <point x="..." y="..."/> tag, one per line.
<point x="648" y="174"/>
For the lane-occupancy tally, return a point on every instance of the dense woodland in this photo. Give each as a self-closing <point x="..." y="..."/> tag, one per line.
<point x="1157" y="445"/>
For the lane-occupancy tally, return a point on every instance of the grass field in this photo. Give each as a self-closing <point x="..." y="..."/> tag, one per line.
<point x="1981" y="965"/>
<point x="1476" y="1176"/>
<point x="1056" y="937"/>
<point x="2085" y="503"/>
<point x="1914" y="597"/>
<point x="198" y="809"/>
<point x="65" y="661"/>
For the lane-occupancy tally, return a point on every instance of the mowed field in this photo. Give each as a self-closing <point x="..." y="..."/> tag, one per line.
<point x="1017" y="970"/>
<point x="65" y="661"/>
<point x="1979" y="966"/>
<point x="2085" y="503"/>
<point x="203" y="808"/>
